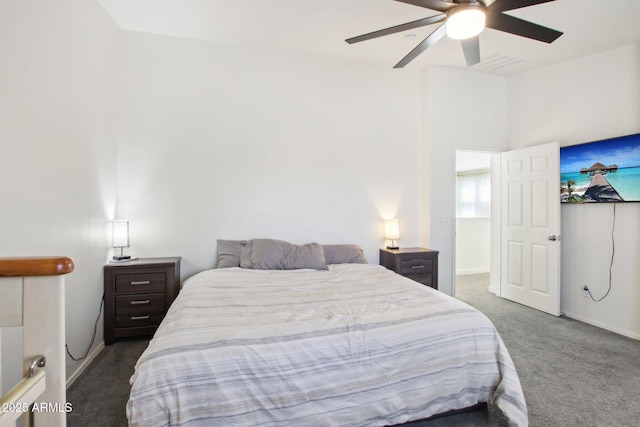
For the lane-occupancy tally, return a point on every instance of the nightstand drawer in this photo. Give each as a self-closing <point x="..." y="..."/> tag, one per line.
<point x="425" y="279"/>
<point x="146" y="282"/>
<point x="138" y="319"/>
<point x="139" y="303"/>
<point x="416" y="266"/>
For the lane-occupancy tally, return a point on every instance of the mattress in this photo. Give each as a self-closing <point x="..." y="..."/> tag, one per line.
<point x="356" y="345"/>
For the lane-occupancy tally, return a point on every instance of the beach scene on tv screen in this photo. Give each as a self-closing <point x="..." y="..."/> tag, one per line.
<point x="601" y="171"/>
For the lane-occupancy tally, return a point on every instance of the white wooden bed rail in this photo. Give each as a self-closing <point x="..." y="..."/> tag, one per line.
<point x="32" y="296"/>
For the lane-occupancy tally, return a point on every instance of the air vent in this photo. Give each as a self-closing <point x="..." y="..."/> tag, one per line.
<point x="498" y="61"/>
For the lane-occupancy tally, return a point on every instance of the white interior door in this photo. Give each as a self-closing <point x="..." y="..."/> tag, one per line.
<point x="531" y="227"/>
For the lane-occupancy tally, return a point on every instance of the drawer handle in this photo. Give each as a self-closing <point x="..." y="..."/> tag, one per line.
<point x="417" y="266"/>
<point x="141" y="282"/>
<point x="139" y="317"/>
<point x="140" y="302"/>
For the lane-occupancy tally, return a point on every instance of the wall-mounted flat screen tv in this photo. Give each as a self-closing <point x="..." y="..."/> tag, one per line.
<point x="601" y="171"/>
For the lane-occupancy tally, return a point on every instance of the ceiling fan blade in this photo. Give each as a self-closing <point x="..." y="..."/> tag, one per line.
<point x="471" y="49"/>
<point x="504" y="5"/>
<point x="520" y="27"/>
<point x="398" y="28"/>
<point x="439" y="33"/>
<point x="439" y="5"/>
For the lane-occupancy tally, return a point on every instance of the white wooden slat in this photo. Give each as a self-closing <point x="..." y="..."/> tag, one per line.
<point x="10" y="301"/>
<point x="44" y="334"/>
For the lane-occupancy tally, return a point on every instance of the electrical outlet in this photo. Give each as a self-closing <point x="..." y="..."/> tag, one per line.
<point x="585" y="291"/>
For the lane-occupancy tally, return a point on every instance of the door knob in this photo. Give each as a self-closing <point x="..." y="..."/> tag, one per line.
<point x="553" y="238"/>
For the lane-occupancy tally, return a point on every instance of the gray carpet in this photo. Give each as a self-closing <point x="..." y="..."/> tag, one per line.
<point x="572" y="374"/>
<point x="100" y="394"/>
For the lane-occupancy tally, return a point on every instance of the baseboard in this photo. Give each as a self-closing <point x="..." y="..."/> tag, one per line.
<point x="85" y="363"/>
<point x="600" y="325"/>
<point x="471" y="271"/>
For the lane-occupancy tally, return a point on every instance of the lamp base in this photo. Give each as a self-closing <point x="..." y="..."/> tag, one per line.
<point x="121" y="257"/>
<point x="393" y="247"/>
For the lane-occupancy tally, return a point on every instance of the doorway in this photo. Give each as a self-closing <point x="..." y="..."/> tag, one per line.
<point x="477" y="245"/>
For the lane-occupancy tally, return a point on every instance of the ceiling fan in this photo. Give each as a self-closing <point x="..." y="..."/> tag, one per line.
<point x="464" y="20"/>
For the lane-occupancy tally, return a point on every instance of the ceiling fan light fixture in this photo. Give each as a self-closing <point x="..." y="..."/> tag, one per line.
<point x="465" y="21"/>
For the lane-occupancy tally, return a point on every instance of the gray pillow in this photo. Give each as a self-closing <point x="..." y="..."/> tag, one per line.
<point x="269" y="254"/>
<point x="228" y="253"/>
<point x="305" y="256"/>
<point x="344" y="254"/>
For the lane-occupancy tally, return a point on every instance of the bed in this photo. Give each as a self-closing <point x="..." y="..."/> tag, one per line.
<point x="345" y="344"/>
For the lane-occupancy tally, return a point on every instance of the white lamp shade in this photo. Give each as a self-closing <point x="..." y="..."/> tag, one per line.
<point x="120" y="234"/>
<point x="465" y="23"/>
<point x="391" y="229"/>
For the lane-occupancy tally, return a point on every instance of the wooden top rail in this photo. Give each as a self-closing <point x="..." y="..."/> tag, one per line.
<point x="35" y="266"/>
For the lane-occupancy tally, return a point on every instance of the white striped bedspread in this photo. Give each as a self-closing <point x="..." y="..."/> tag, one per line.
<point x="356" y="345"/>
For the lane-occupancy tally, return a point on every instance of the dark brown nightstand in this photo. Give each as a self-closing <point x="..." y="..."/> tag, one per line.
<point x="418" y="264"/>
<point x="137" y="295"/>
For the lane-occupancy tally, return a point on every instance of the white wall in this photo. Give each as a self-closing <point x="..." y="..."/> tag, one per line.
<point x="226" y="142"/>
<point x="574" y="102"/>
<point x="58" y="100"/>
<point x="473" y="245"/>
<point x="461" y="110"/>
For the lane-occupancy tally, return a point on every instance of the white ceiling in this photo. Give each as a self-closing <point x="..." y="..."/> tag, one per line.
<point x="321" y="26"/>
